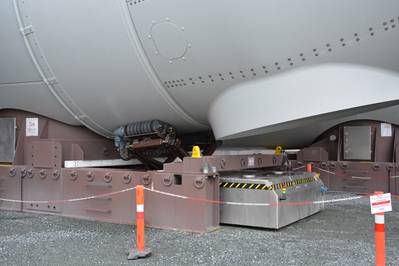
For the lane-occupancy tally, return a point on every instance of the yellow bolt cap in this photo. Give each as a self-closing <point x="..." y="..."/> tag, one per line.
<point x="278" y="150"/>
<point x="196" y="152"/>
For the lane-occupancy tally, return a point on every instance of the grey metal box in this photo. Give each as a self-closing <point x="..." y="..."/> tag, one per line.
<point x="7" y="139"/>
<point x="254" y="189"/>
<point x="357" y="143"/>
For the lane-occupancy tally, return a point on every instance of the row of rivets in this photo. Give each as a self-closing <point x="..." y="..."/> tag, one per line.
<point x="199" y="182"/>
<point x="30" y="173"/>
<point x="73" y="176"/>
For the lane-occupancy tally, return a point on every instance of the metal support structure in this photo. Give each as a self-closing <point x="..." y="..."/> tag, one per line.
<point x="62" y="162"/>
<point x="356" y="156"/>
<point x="55" y="164"/>
<point x="194" y="177"/>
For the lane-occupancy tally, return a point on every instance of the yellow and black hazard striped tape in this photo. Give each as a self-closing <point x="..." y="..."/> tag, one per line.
<point x="265" y="186"/>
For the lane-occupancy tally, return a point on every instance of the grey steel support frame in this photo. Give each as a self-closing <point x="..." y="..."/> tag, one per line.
<point x="37" y="173"/>
<point x="187" y="178"/>
<point x="11" y="188"/>
<point x="357" y="156"/>
<point x="358" y="177"/>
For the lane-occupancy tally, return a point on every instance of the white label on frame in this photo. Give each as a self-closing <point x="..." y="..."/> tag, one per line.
<point x="386" y="130"/>
<point x="32" y="127"/>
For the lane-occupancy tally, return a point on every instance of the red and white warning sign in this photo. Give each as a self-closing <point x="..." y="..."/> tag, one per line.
<point x="381" y="203"/>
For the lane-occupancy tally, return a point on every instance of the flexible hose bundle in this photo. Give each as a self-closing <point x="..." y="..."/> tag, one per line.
<point x="145" y="127"/>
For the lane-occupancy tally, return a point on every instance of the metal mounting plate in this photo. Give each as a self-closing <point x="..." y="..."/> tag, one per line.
<point x="7" y="139"/>
<point x="357" y="143"/>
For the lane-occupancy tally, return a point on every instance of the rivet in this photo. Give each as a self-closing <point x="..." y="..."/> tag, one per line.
<point x="90" y="176"/>
<point x="74" y="175"/>
<point x="167" y="19"/>
<point x="189" y="45"/>
<point x="149" y="36"/>
<point x="23" y="172"/>
<point x="56" y="174"/>
<point x="126" y="179"/>
<point x="167" y="181"/>
<point x="182" y="28"/>
<point x="199" y="182"/>
<point x="184" y="58"/>
<point x="12" y="172"/>
<point x="42" y="173"/>
<point x="107" y="178"/>
<point x="170" y="62"/>
<point x="222" y="164"/>
<point x="146" y="179"/>
<point x="30" y="173"/>
<point x="156" y="52"/>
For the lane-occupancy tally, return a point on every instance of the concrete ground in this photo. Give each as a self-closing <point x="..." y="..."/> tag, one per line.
<point x="343" y="234"/>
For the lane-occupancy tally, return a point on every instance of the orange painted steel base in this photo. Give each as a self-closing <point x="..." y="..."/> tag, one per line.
<point x="140" y="251"/>
<point x="379" y="237"/>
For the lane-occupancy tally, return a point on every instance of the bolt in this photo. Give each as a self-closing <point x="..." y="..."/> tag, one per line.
<point x="23" y="173"/>
<point x="74" y="175"/>
<point x="107" y="177"/>
<point x="89" y="176"/>
<point x="56" y="174"/>
<point x="126" y="179"/>
<point x="30" y="173"/>
<point x="42" y="173"/>
<point x="12" y="172"/>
